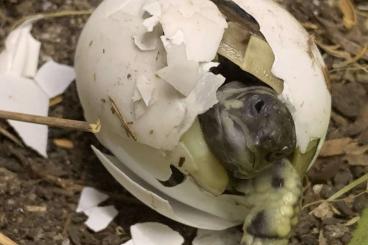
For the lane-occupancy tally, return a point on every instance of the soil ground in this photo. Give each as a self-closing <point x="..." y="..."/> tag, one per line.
<point x="38" y="196"/>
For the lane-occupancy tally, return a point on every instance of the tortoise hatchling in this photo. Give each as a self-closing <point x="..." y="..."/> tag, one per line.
<point x="213" y="110"/>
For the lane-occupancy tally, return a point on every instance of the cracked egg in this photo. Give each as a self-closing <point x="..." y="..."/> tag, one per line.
<point x="212" y="110"/>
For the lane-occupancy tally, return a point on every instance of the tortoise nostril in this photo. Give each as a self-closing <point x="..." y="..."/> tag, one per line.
<point x="259" y="105"/>
<point x="275" y="156"/>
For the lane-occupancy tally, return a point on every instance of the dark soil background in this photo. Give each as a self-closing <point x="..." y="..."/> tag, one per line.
<point x="38" y="196"/>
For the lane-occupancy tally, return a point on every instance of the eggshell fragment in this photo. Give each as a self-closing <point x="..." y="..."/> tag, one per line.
<point x="54" y="78"/>
<point x="128" y="7"/>
<point x="90" y="198"/>
<point x="18" y="90"/>
<point x="23" y="95"/>
<point x="184" y="83"/>
<point x="154" y="8"/>
<point x="100" y="217"/>
<point x="130" y="242"/>
<point x="147" y="41"/>
<point x="201" y="23"/>
<point x="21" y="52"/>
<point x="155" y="234"/>
<point x="145" y="88"/>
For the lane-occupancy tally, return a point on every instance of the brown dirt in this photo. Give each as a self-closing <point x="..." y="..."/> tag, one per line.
<point x="53" y="184"/>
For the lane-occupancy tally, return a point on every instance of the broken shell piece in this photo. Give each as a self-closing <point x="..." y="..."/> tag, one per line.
<point x="54" y="78"/>
<point x="139" y="109"/>
<point x="20" y="56"/>
<point x="155" y="234"/>
<point x="184" y="83"/>
<point x="100" y="217"/>
<point x="145" y="87"/>
<point x="90" y="198"/>
<point x="130" y="242"/>
<point x="153" y="8"/>
<point x="127" y="7"/>
<point x="23" y="95"/>
<point x="147" y="41"/>
<point x="200" y="22"/>
<point x="20" y="92"/>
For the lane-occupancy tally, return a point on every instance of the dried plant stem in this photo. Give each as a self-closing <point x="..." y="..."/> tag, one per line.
<point x="336" y="200"/>
<point x="122" y="120"/>
<point x="52" y="121"/>
<point x="349" y="187"/>
<point x="58" y="14"/>
<point x="11" y="137"/>
<point x="4" y="240"/>
<point x="335" y="197"/>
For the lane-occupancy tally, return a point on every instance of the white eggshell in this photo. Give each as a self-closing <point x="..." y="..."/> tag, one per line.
<point x="109" y="63"/>
<point x="158" y="201"/>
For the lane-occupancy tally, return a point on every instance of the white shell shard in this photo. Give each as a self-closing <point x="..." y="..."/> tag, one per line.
<point x="153" y="8"/>
<point x="90" y="198"/>
<point x="203" y="96"/>
<point x="128" y="7"/>
<point x="145" y="88"/>
<point x="299" y="63"/>
<point x="114" y="71"/>
<point x="208" y="65"/>
<point x="23" y="95"/>
<point x="130" y="242"/>
<point x="227" y="237"/>
<point x="151" y="22"/>
<point x="54" y="78"/>
<point x="200" y="22"/>
<point x="189" y="75"/>
<point x="155" y="234"/>
<point x="20" y="56"/>
<point x="139" y="109"/>
<point x="147" y="41"/>
<point x="160" y="202"/>
<point x="100" y="217"/>
<point x="18" y="61"/>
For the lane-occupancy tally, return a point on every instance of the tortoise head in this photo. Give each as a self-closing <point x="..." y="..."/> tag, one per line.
<point x="249" y="129"/>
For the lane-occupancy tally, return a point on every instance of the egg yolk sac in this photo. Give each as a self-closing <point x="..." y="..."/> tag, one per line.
<point x="249" y="129"/>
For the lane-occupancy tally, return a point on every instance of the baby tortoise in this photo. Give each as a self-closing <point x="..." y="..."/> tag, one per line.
<point x="252" y="134"/>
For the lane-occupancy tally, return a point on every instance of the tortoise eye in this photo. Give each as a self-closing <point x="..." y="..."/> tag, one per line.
<point x="259" y="105"/>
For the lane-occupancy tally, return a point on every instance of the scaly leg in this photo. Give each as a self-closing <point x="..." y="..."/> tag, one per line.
<point x="274" y="195"/>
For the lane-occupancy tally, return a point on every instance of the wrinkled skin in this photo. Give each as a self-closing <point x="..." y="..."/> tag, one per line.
<point x="252" y="134"/>
<point x="248" y="129"/>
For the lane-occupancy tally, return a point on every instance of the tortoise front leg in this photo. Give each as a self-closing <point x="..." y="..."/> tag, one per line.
<point x="275" y="196"/>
